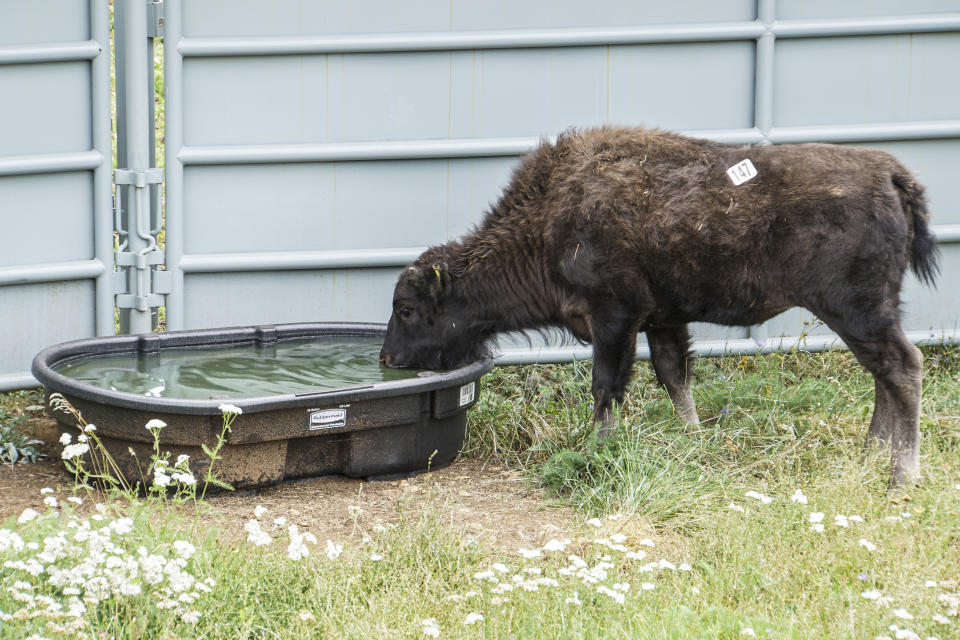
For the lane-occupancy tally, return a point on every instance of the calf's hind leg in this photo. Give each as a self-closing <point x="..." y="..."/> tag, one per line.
<point x="896" y="366"/>
<point x="670" y="354"/>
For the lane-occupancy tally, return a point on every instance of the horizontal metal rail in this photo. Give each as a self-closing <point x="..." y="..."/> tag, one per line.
<point x="562" y="37"/>
<point x="30" y="274"/>
<point x="12" y="382"/>
<point x="710" y="348"/>
<point x="481" y="147"/>
<point x="298" y="260"/>
<point x="50" y="162"/>
<point x="50" y="52"/>
<point x="396" y="149"/>
<point x="875" y="132"/>
<point x="360" y="258"/>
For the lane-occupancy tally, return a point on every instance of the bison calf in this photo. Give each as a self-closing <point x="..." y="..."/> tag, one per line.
<point x="613" y="231"/>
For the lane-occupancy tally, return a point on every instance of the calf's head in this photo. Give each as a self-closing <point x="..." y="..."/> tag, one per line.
<point x="431" y="326"/>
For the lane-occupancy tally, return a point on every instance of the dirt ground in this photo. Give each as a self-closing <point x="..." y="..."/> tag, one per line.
<point x="497" y="507"/>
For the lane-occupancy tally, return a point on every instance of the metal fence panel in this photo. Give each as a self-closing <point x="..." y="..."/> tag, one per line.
<point x="55" y="161"/>
<point x="313" y="148"/>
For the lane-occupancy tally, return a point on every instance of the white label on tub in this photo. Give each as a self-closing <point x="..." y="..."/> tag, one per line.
<point x="742" y="171"/>
<point x="327" y="419"/>
<point x="467" y="392"/>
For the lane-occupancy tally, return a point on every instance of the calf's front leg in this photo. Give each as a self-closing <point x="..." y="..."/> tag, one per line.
<point x="614" y="346"/>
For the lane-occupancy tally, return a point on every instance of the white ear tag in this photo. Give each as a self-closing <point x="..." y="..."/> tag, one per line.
<point x="741" y="172"/>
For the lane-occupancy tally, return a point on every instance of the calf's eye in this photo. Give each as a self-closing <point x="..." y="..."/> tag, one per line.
<point x="404" y="312"/>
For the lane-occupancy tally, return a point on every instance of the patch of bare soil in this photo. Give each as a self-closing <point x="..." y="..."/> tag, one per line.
<point x="497" y="507"/>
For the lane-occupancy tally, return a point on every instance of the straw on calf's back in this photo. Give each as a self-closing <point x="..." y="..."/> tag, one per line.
<point x="612" y="231"/>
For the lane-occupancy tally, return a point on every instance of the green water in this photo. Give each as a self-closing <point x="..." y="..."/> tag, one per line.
<point x="239" y="371"/>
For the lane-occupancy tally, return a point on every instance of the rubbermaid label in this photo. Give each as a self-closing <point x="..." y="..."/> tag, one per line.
<point x="327" y="419"/>
<point x="466" y="393"/>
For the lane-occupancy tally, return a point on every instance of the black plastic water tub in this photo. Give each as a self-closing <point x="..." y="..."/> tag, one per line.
<point x="376" y="430"/>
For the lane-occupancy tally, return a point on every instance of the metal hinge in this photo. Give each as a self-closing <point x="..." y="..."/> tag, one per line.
<point x="137" y="283"/>
<point x="154" y="19"/>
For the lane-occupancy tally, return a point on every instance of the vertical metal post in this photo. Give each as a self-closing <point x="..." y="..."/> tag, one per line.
<point x="136" y="132"/>
<point x="102" y="182"/>
<point x="173" y="135"/>
<point x="763" y="103"/>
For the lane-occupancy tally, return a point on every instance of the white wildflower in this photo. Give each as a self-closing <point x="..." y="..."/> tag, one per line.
<point x="903" y="614"/>
<point x="530" y="553"/>
<point x="618" y="597"/>
<point x="759" y="496"/>
<point x="473" y="618"/>
<point x="636" y="555"/>
<point x="735" y="507"/>
<point x="45" y="491"/>
<point x="747" y="631"/>
<point x="798" y="497"/>
<point x="75" y="499"/>
<point x="121" y="526"/>
<point x="648" y="586"/>
<point x="817" y="526"/>
<point x="27" y="515"/>
<point x="840" y="520"/>
<point x="855" y="518"/>
<point x="574" y="599"/>
<point x="866" y="544"/>
<point x="618" y="538"/>
<point x="485" y="575"/>
<point x="375" y="557"/>
<point x="354" y="511"/>
<point x="622" y="586"/>
<point x="90" y="428"/>
<point x="595" y="522"/>
<point x="155" y="424"/>
<point x="430" y="627"/>
<point x="816" y="516"/>
<point x="873" y="594"/>
<point x="556" y="545"/>
<point x="280" y="522"/>
<point x="499" y="567"/>
<point x="666" y="564"/>
<point x="258" y="511"/>
<point x="333" y="550"/>
<point x="647" y="542"/>
<point x="51" y="501"/>
<point x="228" y="409"/>
<point x="72" y="451"/>
<point x="186" y="479"/>
<point x="615" y="517"/>
<point x="941" y="619"/>
<point x="190" y="617"/>
<point x="65" y="439"/>
<point x="182" y="459"/>
<point x="184" y="549"/>
<point x="255" y="534"/>
<point x="684" y="567"/>
<point x="297" y="549"/>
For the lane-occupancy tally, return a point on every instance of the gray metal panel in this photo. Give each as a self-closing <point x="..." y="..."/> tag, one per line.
<point x="56" y="243"/>
<point x="791" y="9"/>
<point x="890" y="78"/>
<point x="309" y="140"/>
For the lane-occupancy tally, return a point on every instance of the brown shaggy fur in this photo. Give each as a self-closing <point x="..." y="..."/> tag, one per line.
<point x="612" y="231"/>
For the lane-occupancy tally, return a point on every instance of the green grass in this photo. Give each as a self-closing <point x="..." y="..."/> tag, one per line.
<point x="771" y="424"/>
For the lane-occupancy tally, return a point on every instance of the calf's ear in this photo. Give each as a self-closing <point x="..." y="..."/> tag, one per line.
<point x="439" y="278"/>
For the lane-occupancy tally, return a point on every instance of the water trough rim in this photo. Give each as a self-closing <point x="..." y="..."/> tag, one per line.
<point x="53" y="381"/>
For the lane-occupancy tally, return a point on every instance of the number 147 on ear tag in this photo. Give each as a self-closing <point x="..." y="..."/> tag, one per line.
<point x="742" y="171"/>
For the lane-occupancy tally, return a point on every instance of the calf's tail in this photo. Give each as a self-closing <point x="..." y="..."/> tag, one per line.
<point x="924" y="252"/>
